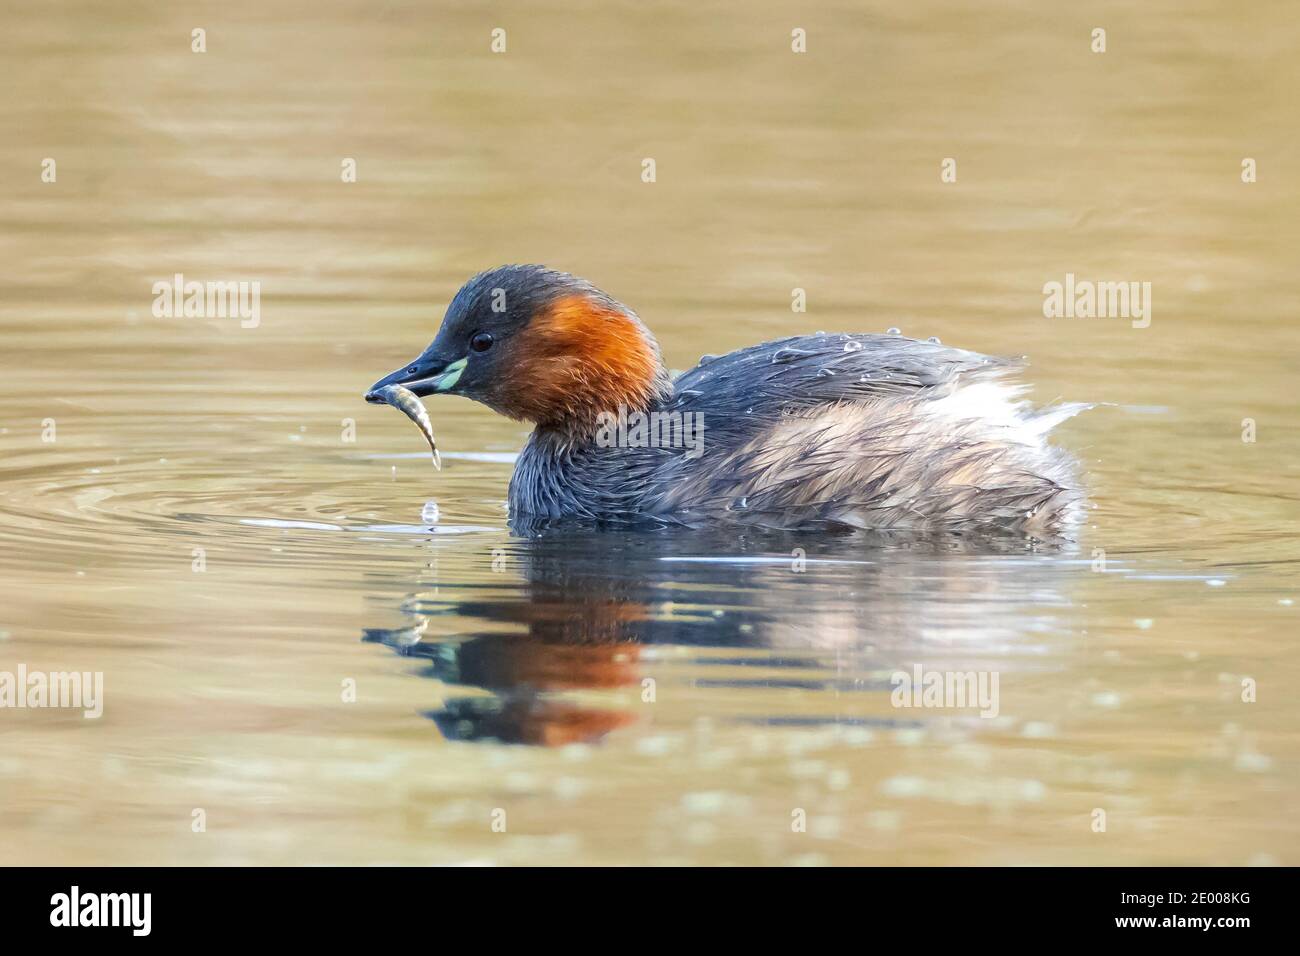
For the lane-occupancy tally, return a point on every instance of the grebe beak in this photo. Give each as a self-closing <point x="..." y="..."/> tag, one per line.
<point x="425" y="376"/>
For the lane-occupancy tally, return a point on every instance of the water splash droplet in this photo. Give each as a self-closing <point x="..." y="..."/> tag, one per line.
<point x="853" y="345"/>
<point x="893" y="330"/>
<point x="934" y="340"/>
<point x="781" y="356"/>
<point x="429" y="513"/>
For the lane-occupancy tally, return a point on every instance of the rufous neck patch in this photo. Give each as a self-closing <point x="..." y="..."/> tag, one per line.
<point x="582" y="356"/>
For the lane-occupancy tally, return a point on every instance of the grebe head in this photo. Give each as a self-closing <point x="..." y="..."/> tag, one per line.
<point x="539" y="345"/>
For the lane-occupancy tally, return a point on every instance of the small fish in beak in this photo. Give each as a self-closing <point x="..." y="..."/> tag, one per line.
<point x="409" y="404"/>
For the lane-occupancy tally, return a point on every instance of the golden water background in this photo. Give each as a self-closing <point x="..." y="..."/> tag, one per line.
<point x="1119" y="690"/>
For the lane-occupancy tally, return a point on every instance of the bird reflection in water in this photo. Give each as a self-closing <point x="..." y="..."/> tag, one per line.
<point x="563" y="654"/>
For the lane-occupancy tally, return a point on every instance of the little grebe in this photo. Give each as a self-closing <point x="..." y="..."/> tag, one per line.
<point x="813" y="431"/>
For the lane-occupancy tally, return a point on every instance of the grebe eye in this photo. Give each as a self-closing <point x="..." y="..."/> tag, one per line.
<point x="481" y="341"/>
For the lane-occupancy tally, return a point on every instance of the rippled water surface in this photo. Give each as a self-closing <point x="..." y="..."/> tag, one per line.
<point x="233" y="538"/>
